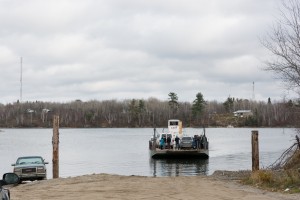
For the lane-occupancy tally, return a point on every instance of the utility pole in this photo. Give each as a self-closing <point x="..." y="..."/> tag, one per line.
<point x="255" y="151"/>
<point x="55" y="143"/>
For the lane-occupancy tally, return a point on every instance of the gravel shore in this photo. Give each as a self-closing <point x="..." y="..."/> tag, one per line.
<point x="222" y="185"/>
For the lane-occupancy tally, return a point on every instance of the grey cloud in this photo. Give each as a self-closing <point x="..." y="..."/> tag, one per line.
<point x="134" y="49"/>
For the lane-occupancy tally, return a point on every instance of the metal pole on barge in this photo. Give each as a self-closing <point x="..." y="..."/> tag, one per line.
<point x="55" y="143"/>
<point x="154" y="140"/>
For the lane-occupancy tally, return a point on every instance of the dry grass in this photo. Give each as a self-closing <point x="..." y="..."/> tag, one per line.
<point x="275" y="180"/>
<point x="287" y="179"/>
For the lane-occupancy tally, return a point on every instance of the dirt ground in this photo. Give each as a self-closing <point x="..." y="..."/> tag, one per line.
<point x="105" y="186"/>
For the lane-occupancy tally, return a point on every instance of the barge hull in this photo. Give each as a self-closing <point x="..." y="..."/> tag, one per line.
<point x="203" y="154"/>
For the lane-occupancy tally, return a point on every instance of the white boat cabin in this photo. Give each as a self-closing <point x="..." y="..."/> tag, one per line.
<point x="174" y="129"/>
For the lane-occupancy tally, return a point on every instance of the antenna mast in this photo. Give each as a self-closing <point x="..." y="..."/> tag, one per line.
<point x="253" y="95"/>
<point x="21" y="79"/>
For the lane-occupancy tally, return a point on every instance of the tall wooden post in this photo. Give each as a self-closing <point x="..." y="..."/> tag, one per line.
<point x="255" y="151"/>
<point x="55" y="143"/>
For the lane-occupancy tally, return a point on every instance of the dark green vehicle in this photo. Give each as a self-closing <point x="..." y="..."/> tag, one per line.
<point x="30" y="168"/>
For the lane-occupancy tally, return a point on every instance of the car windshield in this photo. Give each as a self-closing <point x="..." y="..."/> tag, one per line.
<point x="186" y="139"/>
<point x="30" y="160"/>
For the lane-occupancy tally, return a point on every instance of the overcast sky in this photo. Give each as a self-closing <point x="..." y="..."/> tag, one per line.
<point x="124" y="49"/>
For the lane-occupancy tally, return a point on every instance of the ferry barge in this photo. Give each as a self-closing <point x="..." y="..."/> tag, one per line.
<point x="197" y="147"/>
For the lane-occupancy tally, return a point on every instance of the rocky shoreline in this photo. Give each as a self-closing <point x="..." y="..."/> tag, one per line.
<point x="231" y="175"/>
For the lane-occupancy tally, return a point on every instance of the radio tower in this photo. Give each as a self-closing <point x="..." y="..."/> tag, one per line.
<point x="253" y="94"/>
<point x="21" y="80"/>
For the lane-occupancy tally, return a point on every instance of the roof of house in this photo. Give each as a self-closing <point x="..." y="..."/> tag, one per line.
<point x="242" y="111"/>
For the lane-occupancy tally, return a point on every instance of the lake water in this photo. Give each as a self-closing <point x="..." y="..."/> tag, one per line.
<point x="124" y="151"/>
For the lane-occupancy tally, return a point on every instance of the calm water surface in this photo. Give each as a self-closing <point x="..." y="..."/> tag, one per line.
<point x="125" y="151"/>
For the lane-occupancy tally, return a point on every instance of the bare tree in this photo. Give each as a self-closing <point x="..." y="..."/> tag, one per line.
<point x="283" y="41"/>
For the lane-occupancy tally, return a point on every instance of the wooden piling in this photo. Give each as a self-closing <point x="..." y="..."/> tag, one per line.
<point x="55" y="144"/>
<point x="255" y="151"/>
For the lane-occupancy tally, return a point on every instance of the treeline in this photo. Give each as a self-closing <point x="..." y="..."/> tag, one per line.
<point x="148" y="113"/>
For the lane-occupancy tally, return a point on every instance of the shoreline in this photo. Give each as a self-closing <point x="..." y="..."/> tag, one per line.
<point x="220" y="186"/>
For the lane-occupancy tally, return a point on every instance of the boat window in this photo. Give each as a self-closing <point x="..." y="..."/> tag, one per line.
<point x="173" y="123"/>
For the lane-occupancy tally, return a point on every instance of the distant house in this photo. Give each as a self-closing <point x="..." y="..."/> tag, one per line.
<point x="243" y="113"/>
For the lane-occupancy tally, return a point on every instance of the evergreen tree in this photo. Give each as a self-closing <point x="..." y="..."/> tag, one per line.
<point x="198" y="106"/>
<point x="173" y="103"/>
<point x="228" y="104"/>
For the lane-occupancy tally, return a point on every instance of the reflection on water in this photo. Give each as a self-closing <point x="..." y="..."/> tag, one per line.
<point x="178" y="167"/>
